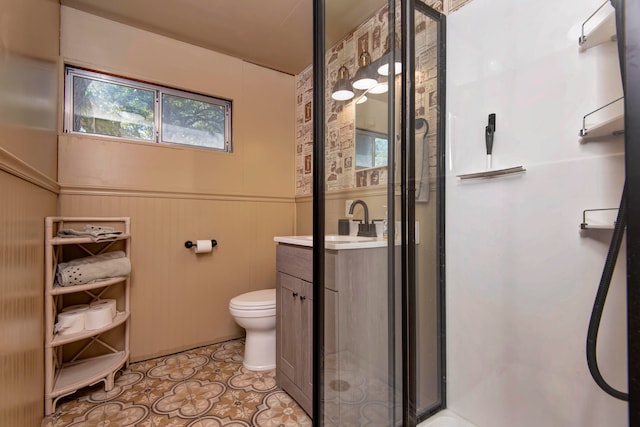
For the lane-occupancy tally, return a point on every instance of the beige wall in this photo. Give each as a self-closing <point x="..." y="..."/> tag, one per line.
<point x="28" y="102"/>
<point x="174" y="194"/>
<point x="24" y="207"/>
<point x="28" y="81"/>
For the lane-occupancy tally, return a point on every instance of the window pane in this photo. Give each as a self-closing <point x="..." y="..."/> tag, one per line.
<point x="364" y="150"/>
<point x="382" y="152"/>
<point x="192" y="122"/>
<point x="111" y="109"/>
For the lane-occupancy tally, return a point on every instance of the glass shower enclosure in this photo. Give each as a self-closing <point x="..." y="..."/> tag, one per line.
<point x="378" y="212"/>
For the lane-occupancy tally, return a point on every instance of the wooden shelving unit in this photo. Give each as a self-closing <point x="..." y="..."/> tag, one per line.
<point x="73" y="361"/>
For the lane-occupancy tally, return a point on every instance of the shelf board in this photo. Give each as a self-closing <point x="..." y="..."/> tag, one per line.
<point x="86" y="372"/>
<point x="57" y="241"/>
<point x="60" y="290"/>
<point x="492" y="173"/>
<point x="59" y="340"/>
<point x="586" y="226"/>
<point x="603" y="32"/>
<point x="610" y="127"/>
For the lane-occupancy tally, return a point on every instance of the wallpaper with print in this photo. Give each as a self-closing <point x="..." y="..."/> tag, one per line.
<point x="340" y="131"/>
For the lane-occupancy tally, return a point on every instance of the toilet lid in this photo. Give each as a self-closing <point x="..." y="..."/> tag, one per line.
<point x="263" y="299"/>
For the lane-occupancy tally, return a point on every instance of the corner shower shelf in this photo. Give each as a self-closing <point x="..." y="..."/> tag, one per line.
<point x="492" y="173"/>
<point x="597" y="223"/>
<point x="612" y="126"/>
<point x="603" y="32"/>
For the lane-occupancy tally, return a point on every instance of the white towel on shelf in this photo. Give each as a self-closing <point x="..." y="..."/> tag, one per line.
<point x="91" y="259"/>
<point x="97" y="233"/>
<point x="92" y="269"/>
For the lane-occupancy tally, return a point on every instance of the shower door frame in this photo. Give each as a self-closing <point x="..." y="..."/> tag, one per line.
<point x="631" y="10"/>
<point x="410" y="417"/>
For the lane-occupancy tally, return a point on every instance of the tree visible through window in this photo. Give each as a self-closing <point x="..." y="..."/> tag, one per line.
<point x="188" y="121"/>
<point x="111" y="109"/>
<point x="105" y="105"/>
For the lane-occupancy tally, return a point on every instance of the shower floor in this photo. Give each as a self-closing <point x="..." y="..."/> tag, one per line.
<point x="203" y="387"/>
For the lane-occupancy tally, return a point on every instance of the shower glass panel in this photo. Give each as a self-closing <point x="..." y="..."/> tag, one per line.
<point x="362" y="365"/>
<point x="429" y="206"/>
<point x="375" y="176"/>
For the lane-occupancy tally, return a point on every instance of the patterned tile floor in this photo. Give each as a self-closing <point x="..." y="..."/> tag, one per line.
<point x="203" y="387"/>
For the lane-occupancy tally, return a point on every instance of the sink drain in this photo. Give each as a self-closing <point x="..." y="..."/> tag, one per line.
<point x="339" y="385"/>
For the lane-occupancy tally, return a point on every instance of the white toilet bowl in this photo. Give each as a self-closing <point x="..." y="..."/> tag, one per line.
<point x="256" y="313"/>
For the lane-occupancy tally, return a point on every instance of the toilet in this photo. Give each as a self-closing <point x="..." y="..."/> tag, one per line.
<point x="256" y="313"/>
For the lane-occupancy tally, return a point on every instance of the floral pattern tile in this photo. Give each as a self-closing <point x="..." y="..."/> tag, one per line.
<point x="203" y="387"/>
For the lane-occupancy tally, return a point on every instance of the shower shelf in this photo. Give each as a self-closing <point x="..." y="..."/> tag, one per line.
<point x="613" y="126"/>
<point x="603" y="32"/>
<point x="597" y="223"/>
<point x="492" y="173"/>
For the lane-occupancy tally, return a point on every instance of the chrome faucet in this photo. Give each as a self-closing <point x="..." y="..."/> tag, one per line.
<point x="366" y="229"/>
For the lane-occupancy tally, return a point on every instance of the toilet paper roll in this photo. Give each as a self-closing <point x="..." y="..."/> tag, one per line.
<point x="203" y="246"/>
<point x="75" y="307"/>
<point x="70" y="322"/>
<point x="97" y="317"/>
<point x="109" y="302"/>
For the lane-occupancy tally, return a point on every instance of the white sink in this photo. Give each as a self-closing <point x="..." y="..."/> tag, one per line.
<point x="336" y="242"/>
<point x="338" y="238"/>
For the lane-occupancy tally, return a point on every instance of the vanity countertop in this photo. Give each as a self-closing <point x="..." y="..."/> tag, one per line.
<point x="336" y="242"/>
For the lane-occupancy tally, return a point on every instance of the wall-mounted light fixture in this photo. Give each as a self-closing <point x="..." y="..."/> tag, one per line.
<point x="381" y="87"/>
<point x="365" y="77"/>
<point x="362" y="99"/>
<point x="342" y="88"/>
<point x="383" y="62"/>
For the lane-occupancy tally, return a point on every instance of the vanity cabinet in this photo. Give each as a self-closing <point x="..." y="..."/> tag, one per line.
<point x="355" y="294"/>
<point x="83" y="358"/>
<point x="294" y="323"/>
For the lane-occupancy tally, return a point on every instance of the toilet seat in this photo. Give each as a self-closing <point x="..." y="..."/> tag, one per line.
<point x="264" y="299"/>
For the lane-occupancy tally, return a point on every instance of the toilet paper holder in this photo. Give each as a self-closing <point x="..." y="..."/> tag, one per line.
<point x="189" y="244"/>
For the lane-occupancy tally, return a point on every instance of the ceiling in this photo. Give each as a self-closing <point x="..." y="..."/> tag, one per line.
<point x="277" y="34"/>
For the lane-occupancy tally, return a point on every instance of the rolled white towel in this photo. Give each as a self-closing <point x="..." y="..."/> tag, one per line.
<point x="81" y="274"/>
<point x="91" y="259"/>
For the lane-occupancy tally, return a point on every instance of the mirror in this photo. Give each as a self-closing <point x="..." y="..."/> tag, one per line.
<point x="371" y="158"/>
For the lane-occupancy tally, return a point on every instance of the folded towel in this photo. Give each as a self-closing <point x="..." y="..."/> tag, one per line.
<point x="80" y="274"/>
<point x="97" y="233"/>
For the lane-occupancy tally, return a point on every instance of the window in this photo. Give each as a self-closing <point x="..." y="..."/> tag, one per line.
<point x="371" y="149"/>
<point x="100" y="104"/>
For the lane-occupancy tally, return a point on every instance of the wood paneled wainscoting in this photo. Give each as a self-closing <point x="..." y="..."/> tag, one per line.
<point x="24" y="206"/>
<point x="179" y="299"/>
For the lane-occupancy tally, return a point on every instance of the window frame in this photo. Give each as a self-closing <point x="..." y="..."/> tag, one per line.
<point x="159" y="91"/>
<point x="373" y="135"/>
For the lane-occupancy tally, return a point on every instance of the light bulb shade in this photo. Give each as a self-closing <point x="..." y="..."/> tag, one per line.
<point x="362" y="99"/>
<point x="383" y="68"/>
<point x="342" y="89"/>
<point x="383" y="64"/>
<point x="382" y="87"/>
<point x="364" y="78"/>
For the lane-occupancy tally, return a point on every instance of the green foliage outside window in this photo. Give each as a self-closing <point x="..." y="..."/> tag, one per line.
<point x="115" y="107"/>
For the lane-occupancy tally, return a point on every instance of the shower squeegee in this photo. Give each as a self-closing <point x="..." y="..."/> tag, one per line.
<point x="489" y="130"/>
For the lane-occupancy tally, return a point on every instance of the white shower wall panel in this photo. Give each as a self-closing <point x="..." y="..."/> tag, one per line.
<point x="521" y="277"/>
